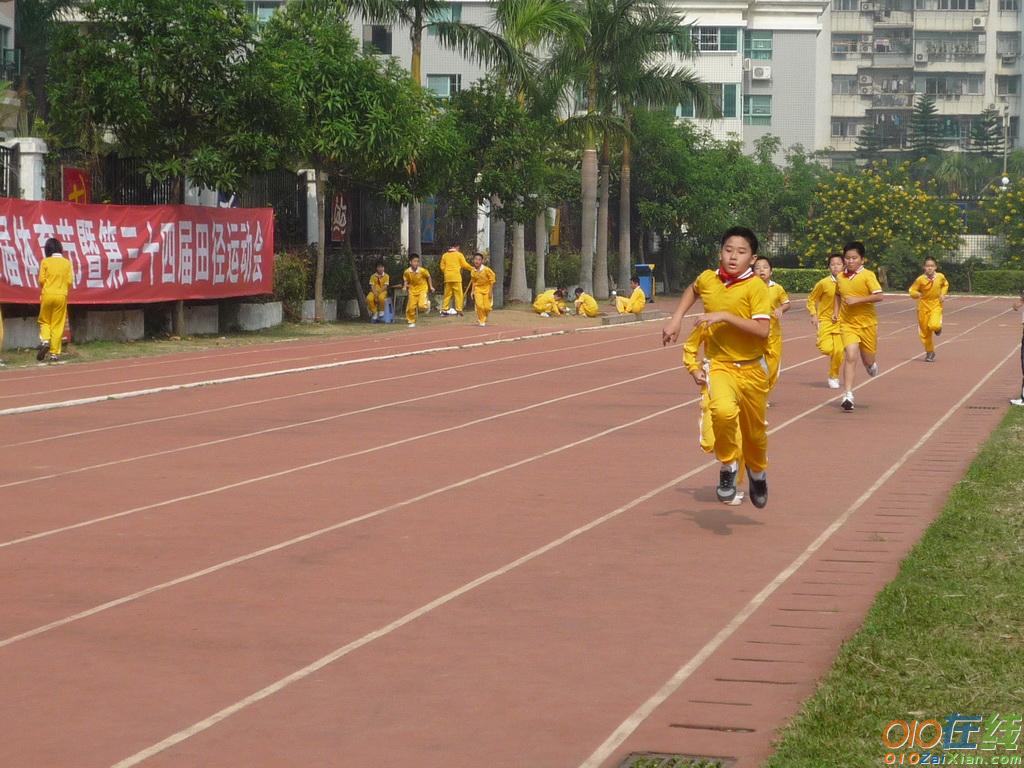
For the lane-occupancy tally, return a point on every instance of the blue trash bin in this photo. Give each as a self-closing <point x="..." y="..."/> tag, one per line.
<point x="645" y="272"/>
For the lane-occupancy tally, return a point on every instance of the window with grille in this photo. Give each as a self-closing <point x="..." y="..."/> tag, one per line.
<point x="844" y="85"/>
<point x="758" y="45"/>
<point x="711" y="39"/>
<point x="444" y="86"/>
<point x="757" y="110"/>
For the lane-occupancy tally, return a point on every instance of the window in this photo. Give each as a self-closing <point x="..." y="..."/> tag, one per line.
<point x="1007" y="43"/>
<point x="1009" y="5"/>
<point x="443" y="86"/>
<point x="5" y="37"/>
<point x="957" y="5"/>
<point x="716" y="38"/>
<point x="843" y="44"/>
<point x="1007" y="86"/>
<point x="723" y="95"/>
<point x="262" y="10"/>
<point x="450" y="12"/>
<point x="844" y="85"/>
<point x="377" y="39"/>
<point x="952" y="85"/>
<point x="845" y="5"/>
<point x="845" y="128"/>
<point x="757" y="110"/>
<point x="758" y="45"/>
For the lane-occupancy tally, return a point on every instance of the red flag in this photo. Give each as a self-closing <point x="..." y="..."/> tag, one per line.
<point x="76" y="185"/>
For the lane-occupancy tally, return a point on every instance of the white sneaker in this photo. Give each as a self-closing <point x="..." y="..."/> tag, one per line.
<point x="872" y="369"/>
<point x="545" y="314"/>
<point x="847" y="403"/>
<point x="412" y="325"/>
<point x="453" y="311"/>
<point x="1017" y="401"/>
<point x="833" y="384"/>
<point x="737" y="499"/>
<point x="482" y="325"/>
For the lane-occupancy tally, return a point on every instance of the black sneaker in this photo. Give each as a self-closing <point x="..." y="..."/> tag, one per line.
<point x="758" y="491"/>
<point x="938" y="332"/>
<point x="847" y="404"/>
<point x="726" y="484"/>
<point x="42" y="350"/>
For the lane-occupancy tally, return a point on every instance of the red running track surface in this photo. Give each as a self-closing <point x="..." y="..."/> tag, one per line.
<point x="506" y="555"/>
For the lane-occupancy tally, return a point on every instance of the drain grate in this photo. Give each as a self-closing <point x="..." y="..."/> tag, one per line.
<point x="982" y="408"/>
<point x="665" y="760"/>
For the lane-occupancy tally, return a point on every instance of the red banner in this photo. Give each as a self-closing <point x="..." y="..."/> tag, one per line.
<point x="135" y="254"/>
<point x="76" y="185"/>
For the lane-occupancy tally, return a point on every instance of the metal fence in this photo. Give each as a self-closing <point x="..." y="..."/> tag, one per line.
<point x="112" y="179"/>
<point x="285" y="192"/>
<point x="10" y="172"/>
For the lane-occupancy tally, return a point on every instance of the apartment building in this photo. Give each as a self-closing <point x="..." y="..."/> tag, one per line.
<point x="767" y="62"/>
<point x="886" y="53"/>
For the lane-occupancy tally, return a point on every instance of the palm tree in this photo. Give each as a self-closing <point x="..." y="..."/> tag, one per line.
<point x="512" y="44"/>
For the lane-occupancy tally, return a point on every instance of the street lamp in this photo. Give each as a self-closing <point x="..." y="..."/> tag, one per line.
<point x="1006" y="143"/>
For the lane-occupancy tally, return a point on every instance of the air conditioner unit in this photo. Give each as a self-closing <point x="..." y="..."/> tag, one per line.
<point x="921" y="57"/>
<point x="864" y="79"/>
<point x="978" y="22"/>
<point x="761" y="73"/>
<point x="866" y="90"/>
<point x="1009" y="60"/>
<point x="864" y="47"/>
<point x="746" y="65"/>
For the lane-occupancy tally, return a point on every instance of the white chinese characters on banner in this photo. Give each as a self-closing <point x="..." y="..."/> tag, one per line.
<point x="147" y="253"/>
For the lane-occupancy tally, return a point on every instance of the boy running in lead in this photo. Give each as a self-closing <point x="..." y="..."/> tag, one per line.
<point x="780" y="306"/>
<point x="929" y="290"/>
<point x="482" y="279"/>
<point x="737" y="314"/>
<point x="857" y="292"/>
<point x="820" y="304"/>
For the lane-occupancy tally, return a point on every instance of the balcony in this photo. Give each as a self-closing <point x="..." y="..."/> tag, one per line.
<point x="894" y="58"/>
<point x="892" y="101"/>
<point x="848" y="105"/>
<point x="893" y="19"/>
<point x="851" y="22"/>
<point x="950" y="21"/>
<point x="960" y="104"/>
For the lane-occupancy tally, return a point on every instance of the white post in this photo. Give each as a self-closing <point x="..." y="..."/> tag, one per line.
<point x="312" y="218"/>
<point x="32" y="159"/>
<point x="405" y="229"/>
<point x="201" y="196"/>
<point x="483" y="227"/>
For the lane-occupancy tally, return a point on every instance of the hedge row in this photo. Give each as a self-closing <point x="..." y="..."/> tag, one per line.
<point x="998" y="282"/>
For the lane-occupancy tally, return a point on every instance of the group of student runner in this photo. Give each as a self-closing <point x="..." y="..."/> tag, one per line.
<point x="740" y="334"/>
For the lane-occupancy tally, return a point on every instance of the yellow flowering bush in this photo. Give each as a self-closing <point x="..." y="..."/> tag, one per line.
<point x="1003" y="216"/>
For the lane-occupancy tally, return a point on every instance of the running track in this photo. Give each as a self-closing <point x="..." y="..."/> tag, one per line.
<point x="505" y="554"/>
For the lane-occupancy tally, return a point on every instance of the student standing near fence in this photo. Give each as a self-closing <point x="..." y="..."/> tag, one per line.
<point x="820" y="304"/>
<point x="54" y="282"/>
<point x="929" y="290"/>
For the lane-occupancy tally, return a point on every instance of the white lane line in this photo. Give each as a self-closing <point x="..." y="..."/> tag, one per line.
<point x="329" y="460"/>
<point x="631" y="723"/>
<point x="316" y="391"/>
<point x="255" y="376"/>
<point x="324" y="661"/>
<point x="320" y="420"/>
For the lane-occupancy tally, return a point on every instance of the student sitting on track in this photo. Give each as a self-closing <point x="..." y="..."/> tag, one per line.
<point x="586" y="304"/>
<point x="636" y="302"/>
<point x="550" y="303"/>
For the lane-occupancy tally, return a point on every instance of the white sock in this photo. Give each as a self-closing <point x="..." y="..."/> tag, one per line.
<point x="733" y="467"/>
<point x="758" y="475"/>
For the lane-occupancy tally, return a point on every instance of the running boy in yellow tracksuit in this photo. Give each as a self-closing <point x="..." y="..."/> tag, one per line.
<point x="550" y="303"/>
<point x="416" y="281"/>
<point x="737" y="313"/>
<point x="636" y="302"/>
<point x="820" y="305"/>
<point x="378" y="295"/>
<point x="929" y="290"/>
<point x="857" y="292"/>
<point x="698" y="366"/>
<point x="482" y="279"/>
<point x="586" y="304"/>
<point x="54" y="283"/>
<point x="780" y="306"/>
<point x="452" y="263"/>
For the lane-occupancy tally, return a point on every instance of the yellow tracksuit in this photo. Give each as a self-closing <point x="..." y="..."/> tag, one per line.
<point x="929" y="306"/>
<point x="586" y="305"/>
<point x="378" y="294"/>
<point x="820" y="303"/>
<point x="452" y="263"/>
<point x="859" y="324"/>
<point x="773" y="351"/>
<point x="547" y="302"/>
<point x="418" y="283"/>
<point x="738" y="376"/>
<point x="54" y="282"/>
<point x="482" y="281"/>
<point x="634" y="305"/>
<point x="693" y="362"/>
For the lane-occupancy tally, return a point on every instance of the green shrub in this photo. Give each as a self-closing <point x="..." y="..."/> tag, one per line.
<point x="798" y="280"/>
<point x="561" y="268"/>
<point x="998" y="282"/>
<point x="291" y="280"/>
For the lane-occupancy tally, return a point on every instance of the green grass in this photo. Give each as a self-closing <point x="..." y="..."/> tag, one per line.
<point x="946" y="636"/>
<point x="672" y="762"/>
<point x="516" y="317"/>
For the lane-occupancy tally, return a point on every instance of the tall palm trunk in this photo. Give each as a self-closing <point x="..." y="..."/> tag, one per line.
<point x="415" y="69"/>
<point x="321" y="214"/>
<point x="588" y="215"/>
<point x="625" y="205"/>
<point x="540" y="232"/>
<point x="415" y="228"/>
<point x="498" y="252"/>
<point x="519" y="290"/>
<point x="601" y="259"/>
